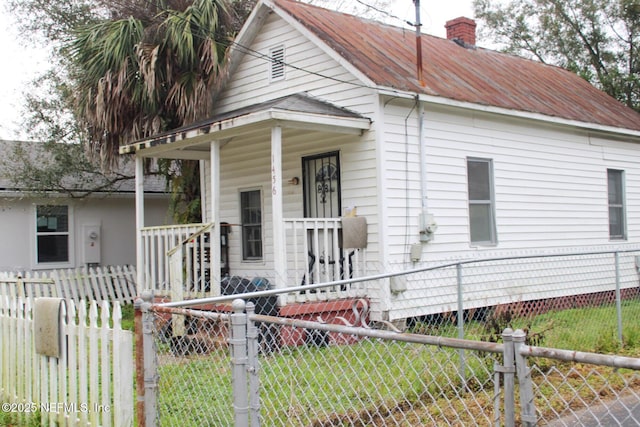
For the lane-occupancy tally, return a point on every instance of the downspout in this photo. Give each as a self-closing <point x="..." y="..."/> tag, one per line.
<point x="424" y="197"/>
<point x="426" y="223"/>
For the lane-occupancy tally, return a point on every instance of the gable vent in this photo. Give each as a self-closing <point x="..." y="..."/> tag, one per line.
<point x="277" y="63"/>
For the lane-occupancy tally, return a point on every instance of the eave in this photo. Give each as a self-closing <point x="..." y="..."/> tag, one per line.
<point x="192" y="142"/>
<point x="436" y="100"/>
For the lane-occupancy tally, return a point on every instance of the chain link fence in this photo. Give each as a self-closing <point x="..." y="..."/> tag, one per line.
<point x="522" y="287"/>
<point x="328" y="363"/>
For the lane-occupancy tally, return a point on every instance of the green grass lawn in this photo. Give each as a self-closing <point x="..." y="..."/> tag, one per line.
<point x="378" y="380"/>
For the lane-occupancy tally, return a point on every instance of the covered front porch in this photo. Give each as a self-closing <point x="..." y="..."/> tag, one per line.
<point x="264" y="229"/>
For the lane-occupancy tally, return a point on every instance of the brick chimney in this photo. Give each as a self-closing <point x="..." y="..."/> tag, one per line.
<point x="463" y="29"/>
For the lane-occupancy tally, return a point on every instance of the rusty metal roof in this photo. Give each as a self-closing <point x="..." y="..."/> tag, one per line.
<point x="387" y="56"/>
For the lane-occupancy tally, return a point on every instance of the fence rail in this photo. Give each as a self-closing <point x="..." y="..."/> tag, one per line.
<point x="88" y="383"/>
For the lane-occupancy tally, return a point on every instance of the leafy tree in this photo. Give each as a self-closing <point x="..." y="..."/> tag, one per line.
<point x="597" y="39"/>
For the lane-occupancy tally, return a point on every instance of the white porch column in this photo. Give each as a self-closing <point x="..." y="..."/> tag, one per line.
<point x="279" y="263"/>
<point x="214" y="201"/>
<point x="140" y="261"/>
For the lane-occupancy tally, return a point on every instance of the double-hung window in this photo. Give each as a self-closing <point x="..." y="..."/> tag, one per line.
<point x="482" y="222"/>
<point x="52" y="234"/>
<point x="617" y="216"/>
<point x="251" y="217"/>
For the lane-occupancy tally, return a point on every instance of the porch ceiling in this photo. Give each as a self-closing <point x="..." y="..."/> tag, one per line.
<point x="295" y="111"/>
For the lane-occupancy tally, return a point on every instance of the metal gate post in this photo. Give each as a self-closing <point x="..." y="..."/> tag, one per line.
<point x="618" y="297"/>
<point x="238" y="342"/>
<point x="525" y="384"/>
<point x="253" y="346"/>
<point x="509" y="381"/>
<point x="463" y="362"/>
<point x="497" y="370"/>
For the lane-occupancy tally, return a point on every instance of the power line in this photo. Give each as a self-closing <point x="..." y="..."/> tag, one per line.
<point x="384" y="12"/>
<point x="254" y="53"/>
<point x="258" y="55"/>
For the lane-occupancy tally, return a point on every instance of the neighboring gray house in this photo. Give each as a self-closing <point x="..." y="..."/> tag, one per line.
<point x="323" y="117"/>
<point x="60" y="231"/>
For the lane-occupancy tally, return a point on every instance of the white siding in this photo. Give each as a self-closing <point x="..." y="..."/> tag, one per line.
<point x="550" y="183"/>
<point x="315" y="72"/>
<point x="550" y="188"/>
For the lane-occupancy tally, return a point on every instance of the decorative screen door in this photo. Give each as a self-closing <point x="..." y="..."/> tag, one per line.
<point x="321" y="179"/>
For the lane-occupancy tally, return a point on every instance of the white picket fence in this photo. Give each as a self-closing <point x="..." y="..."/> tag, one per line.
<point x="89" y="384"/>
<point x="100" y="284"/>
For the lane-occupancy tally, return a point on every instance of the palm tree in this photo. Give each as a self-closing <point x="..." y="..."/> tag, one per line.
<point x="152" y="70"/>
<point x="151" y="66"/>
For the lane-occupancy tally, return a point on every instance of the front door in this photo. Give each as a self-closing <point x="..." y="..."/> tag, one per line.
<point x="321" y="180"/>
<point x="321" y="183"/>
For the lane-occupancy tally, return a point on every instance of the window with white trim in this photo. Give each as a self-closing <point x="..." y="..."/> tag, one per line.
<point x="276" y="71"/>
<point x="52" y="234"/>
<point x="617" y="215"/>
<point x="251" y="219"/>
<point x="482" y="223"/>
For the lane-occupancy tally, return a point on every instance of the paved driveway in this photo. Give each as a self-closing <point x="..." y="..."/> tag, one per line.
<point x="623" y="412"/>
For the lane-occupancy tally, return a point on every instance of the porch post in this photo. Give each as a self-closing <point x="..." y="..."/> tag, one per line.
<point x="214" y="200"/>
<point x="140" y="261"/>
<point x="279" y="265"/>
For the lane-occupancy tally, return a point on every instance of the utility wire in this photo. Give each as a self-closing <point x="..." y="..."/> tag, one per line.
<point x="251" y="52"/>
<point x="254" y="53"/>
<point x="384" y="12"/>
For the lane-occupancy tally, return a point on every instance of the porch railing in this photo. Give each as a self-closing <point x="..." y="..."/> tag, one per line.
<point x="158" y="242"/>
<point x="178" y="256"/>
<point x="315" y="254"/>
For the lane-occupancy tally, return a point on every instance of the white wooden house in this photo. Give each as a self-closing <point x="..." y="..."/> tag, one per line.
<point x="325" y="116"/>
<point x="54" y="230"/>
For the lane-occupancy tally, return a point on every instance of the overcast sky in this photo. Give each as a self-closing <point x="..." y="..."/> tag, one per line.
<point x="22" y="63"/>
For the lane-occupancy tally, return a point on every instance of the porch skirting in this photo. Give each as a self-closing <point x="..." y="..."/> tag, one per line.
<point x="349" y="311"/>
